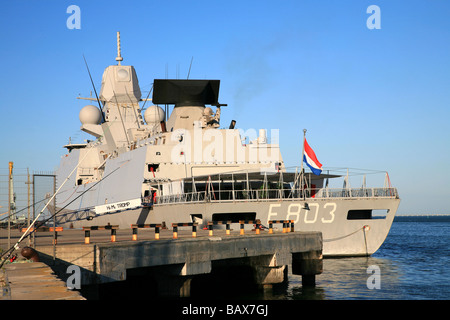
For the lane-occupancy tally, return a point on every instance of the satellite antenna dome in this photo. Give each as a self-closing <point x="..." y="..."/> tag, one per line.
<point x="90" y="115"/>
<point x="207" y="111"/>
<point x="154" y="115"/>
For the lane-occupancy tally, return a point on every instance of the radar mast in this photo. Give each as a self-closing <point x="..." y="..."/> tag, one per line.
<point x="119" y="56"/>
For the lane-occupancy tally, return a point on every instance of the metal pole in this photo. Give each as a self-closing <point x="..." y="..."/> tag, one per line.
<point x="9" y="203"/>
<point x="301" y="165"/>
<point x="54" y="219"/>
<point x="28" y="197"/>
<point x="303" y="150"/>
<point x="33" y="238"/>
<point x="248" y="186"/>
<point x="232" y="184"/>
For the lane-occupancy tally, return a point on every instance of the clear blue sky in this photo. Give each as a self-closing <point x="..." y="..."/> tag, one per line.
<point x="375" y="99"/>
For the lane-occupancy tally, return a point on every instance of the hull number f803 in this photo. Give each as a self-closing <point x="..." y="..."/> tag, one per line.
<point x="310" y="216"/>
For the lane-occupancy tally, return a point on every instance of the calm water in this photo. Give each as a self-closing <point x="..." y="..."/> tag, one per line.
<point x="413" y="262"/>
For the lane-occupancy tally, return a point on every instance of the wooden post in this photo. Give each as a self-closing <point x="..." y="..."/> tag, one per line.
<point x="210" y="228"/>
<point x="113" y="235"/>
<point x="134" y="236"/>
<point x="156" y="233"/>
<point x="87" y="236"/>
<point x="175" y="231"/>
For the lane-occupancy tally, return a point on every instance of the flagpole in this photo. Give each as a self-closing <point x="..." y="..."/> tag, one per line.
<point x="303" y="150"/>
<point x="301" y="164"/>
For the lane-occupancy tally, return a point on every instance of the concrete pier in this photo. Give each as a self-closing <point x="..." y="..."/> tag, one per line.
<point x="174" y="264"/>
<point x="33" y="281"/>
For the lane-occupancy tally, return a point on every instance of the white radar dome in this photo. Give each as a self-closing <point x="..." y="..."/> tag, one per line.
<point x="207" y="111"/>
<point x="90" y="115"/>
<point x="154" y="114"/>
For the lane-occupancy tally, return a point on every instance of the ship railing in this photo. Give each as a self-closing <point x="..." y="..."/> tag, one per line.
<point x="272" y="194"/>
<point x="86" y="171"/>
<point x="357" y="193"/>
<point x="181" y="197"/>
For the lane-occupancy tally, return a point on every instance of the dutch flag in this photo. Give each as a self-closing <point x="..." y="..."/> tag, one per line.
<point x="311" y="160"/>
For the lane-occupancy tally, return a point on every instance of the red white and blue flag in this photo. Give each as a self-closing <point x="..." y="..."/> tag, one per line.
<point x="311" y="160"/>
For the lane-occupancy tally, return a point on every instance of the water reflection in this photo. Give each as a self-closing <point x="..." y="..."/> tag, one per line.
<point x="346" y="278"/>
<point x="413" y="263"/>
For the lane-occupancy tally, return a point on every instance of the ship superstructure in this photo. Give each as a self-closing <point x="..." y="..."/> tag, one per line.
<point x="145" y="166"/>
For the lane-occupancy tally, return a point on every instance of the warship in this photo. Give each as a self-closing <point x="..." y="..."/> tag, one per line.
<point x="145" y="166"/>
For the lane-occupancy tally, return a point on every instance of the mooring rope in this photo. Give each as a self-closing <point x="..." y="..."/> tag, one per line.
<point x="342" y="237"/>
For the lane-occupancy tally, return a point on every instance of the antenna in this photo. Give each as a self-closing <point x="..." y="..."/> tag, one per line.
<point x="147" y="97"/>
<point x="119" y="57"/>
<point x="189" y="72"/>
<point x="98" y="100"/>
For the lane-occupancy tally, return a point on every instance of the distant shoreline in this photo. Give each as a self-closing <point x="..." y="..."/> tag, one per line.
<point x="422" y="218"/>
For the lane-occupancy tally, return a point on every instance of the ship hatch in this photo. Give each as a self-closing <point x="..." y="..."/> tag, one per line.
<point x="234" y="216"/>
<point x="367" y="214"/>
